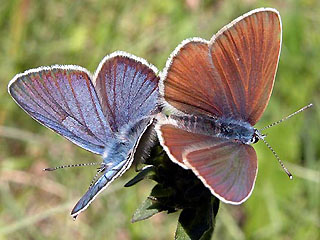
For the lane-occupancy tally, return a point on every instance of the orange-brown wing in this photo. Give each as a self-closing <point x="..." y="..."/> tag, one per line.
<point x="188" y="83"/>
<point x="230" y="76"/>
<point x="176" y="140"/>
<point x="245" y="55"/>
<point x="226" y="167"/>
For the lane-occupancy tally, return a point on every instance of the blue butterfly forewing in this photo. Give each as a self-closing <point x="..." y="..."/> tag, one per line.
<point x="63" y="99"/>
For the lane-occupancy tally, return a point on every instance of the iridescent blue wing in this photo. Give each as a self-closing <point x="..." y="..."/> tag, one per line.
<point x="63" y="99"/>
<point x="117" y="163"/>
<point x="127" y="87"/>
<point x="227" y="168"/>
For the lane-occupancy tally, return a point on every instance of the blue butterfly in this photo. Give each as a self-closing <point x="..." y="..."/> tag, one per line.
<point x="106" y="114"/>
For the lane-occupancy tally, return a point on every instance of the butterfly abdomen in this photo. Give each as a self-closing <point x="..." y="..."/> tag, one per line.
<point x="197" y="124"/>
<point x="216" y="127"/>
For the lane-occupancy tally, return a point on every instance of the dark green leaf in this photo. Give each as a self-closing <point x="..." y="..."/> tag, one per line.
<point x="146" y="210"/>
<point x="147" y="171"/>
<point x="197" y="223"/>
<point x="159" y="191"/>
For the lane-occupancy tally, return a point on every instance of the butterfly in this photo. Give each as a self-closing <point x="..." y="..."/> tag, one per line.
<point x="106" y="113"/>
<point x="216" y="91"/>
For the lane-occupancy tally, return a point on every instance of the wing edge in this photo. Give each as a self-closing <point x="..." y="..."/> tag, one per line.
<point x="127" y="55"/>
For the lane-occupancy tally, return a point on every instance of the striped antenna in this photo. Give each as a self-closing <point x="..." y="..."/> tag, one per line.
<point x="277" y="157"/>
<point x="101" y="169"/>
<point x="262" y="136"/>
<point x="72" y="165"/>
<point x="286" y="118"/>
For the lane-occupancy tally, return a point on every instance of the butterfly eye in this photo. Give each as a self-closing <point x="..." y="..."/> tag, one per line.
<point x="254" y="139"/>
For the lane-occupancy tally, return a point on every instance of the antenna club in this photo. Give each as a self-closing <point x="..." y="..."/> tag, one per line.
<point x="277" y="157"/>
<point x="290" y="177"/>
<point x="48" y="169"/>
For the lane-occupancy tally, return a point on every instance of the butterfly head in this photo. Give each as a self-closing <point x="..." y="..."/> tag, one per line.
<point x="257" y="135"/>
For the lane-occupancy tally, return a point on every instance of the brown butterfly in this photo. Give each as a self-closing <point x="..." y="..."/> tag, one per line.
<point x="217" y="91"/>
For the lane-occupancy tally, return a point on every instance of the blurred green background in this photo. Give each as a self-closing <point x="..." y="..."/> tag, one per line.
<point x="36" y="205"/>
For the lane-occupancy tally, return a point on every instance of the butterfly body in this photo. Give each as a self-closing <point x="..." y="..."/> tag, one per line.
<point x="120" y="147"/>
<point x="226" y="128"/>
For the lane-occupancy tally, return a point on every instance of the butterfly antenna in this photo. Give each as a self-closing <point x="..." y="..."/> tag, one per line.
<point x="277" y="157"/>
<point x="286" y="118"/>
<point x="71" y="165"/>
